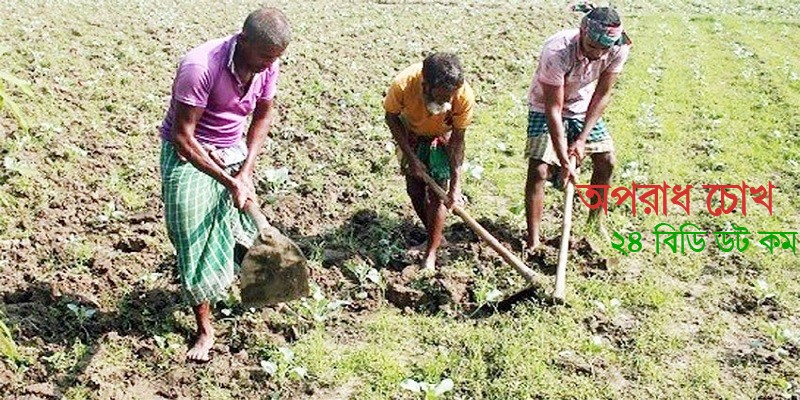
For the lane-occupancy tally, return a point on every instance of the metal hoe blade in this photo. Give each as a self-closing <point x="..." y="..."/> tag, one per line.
<point x="274" y="269"/>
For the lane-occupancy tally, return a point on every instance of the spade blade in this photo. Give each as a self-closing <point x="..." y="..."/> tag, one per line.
<point x="273" y="270"/>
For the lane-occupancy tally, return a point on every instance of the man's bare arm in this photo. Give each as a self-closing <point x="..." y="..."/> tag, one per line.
<point x="186" y="144"/>
<point x="599" y="102"/>
<point x="554" y="103"/>
<point x="400" y="134"/>
<point x="263" y="117"/>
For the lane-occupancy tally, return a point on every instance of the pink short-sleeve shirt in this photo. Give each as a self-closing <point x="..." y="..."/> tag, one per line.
<point x="205" y="78"/>
<point x="562" y="63"/>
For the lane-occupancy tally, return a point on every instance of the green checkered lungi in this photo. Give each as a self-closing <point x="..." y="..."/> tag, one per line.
<point x="204" y="227"/>
<point x="430" y="151"/>
<point x="434" y="157"/>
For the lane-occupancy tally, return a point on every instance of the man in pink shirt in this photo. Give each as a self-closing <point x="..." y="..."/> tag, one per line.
<point x="207" y="161"/>
<point x="569" y="92"/>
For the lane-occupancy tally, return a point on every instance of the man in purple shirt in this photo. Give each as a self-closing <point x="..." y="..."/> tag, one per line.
<point x="207" y="161"/>
<point x="568" y="95"/>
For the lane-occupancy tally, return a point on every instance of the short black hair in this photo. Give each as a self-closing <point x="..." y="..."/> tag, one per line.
<point x="605" y="15"/>
<point x="267" y="26"/>
<point x="442" y="70"/>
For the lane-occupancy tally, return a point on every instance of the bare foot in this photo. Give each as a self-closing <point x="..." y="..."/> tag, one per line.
<point x="420" y="248"/>
<point x="429" y="265"/>
<point x="204" y="343"/>
<point x="530" y="248"/>
<point x="536" y="255"/>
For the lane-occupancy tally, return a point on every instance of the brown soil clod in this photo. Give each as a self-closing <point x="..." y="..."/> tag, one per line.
<point x="456" y="288"/>
<point x="589" y="258"/>
<point x="620" y="329"/>
<point x="403" y="296"/>
<point x="544" y="257"/>
<point x="131" y="245"/>
<point x="746" y="302"/>
<point x="410" y="289"/>
<point x="582" y="253"/>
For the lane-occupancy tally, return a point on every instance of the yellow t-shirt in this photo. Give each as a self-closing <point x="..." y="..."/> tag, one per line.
<point x="405" y="98"/>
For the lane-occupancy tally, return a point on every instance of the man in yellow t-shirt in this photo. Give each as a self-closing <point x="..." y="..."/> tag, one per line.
<point x="428" y="108"/>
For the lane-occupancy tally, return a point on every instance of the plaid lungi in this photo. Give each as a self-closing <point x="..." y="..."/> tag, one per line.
<point x="540" y="146"/>
<point x="204" y="227"/>
<point x="431" y="151"/>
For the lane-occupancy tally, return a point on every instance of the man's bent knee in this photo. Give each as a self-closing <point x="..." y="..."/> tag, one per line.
<point x="538" y="170"/>
<point x="604" y="161"/>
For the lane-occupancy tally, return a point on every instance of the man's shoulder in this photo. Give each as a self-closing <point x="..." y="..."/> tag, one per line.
<point x="621" y="50"/>
<point x="561" y="41"/>
<point x="408" y="75"/>
<point x="210" y="53"/>
<point x="465" y="94"/>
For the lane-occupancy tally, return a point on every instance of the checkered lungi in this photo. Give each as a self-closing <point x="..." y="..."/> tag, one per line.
<point x="540" y="146"/>
<point x="204" y="227"/>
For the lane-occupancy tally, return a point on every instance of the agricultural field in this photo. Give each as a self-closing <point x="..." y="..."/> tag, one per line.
<point x="89" y="301"/>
